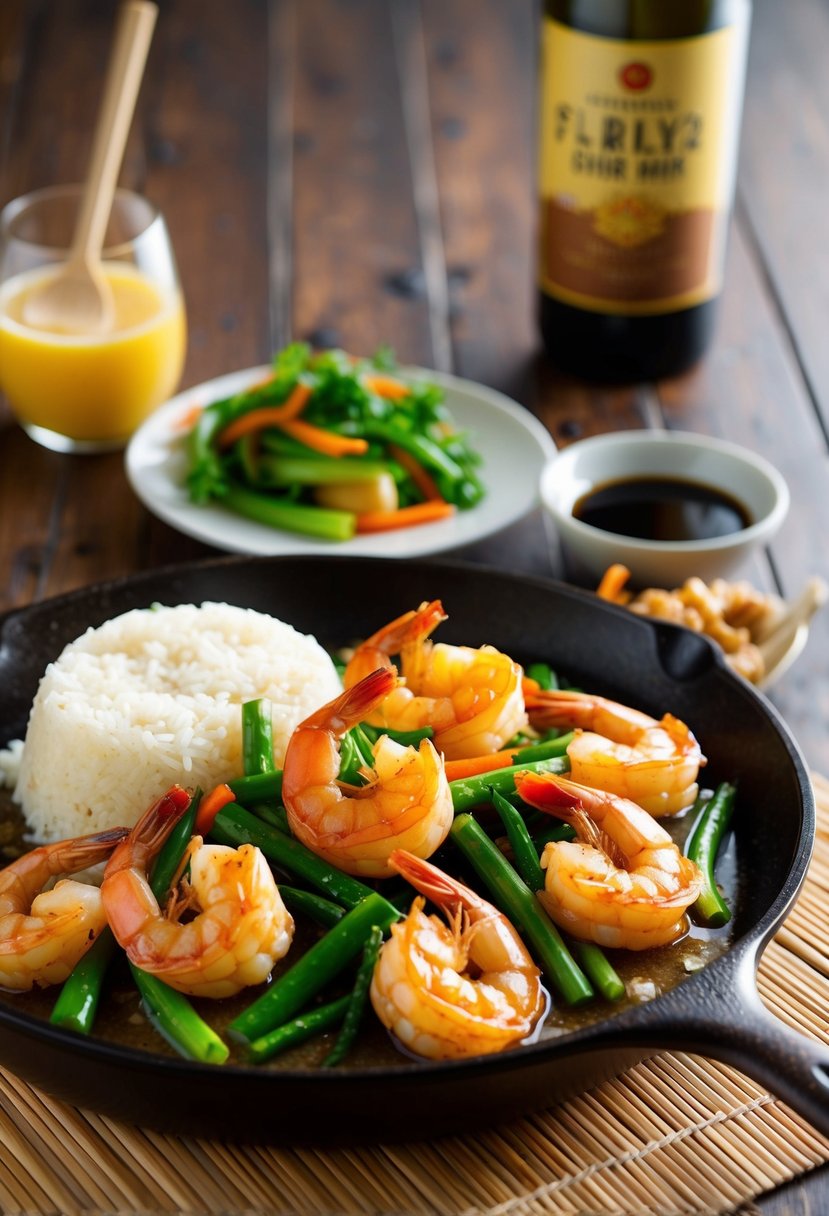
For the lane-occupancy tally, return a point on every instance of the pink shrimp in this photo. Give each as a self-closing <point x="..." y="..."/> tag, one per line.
<point x="407" y="802"/>
<point x="623" y="882"/>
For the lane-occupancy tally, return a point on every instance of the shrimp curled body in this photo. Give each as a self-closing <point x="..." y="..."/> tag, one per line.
<point x="406" y="803"/>
<point x="472" y="697"/>
<point x="241" y="927"/>
<point x="43" y="934"/>
<point x="624" y="882"/>
<point x="624" y="751"/>
<point x="464" y="988"/>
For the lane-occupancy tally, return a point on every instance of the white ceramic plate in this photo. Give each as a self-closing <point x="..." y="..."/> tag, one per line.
<point x="513" y="443"/>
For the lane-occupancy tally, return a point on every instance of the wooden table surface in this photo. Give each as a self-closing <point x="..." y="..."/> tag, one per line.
<point x="356" y="171"/>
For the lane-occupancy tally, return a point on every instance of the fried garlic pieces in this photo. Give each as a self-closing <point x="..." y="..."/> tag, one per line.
<point x="734" y="614"/>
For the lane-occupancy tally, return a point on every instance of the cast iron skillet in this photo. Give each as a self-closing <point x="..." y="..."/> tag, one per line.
<point x="716" y="1012"/>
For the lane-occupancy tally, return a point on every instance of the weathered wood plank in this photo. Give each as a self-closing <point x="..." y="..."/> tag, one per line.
<point x="784" y="168"/>
<point x="750" y="390"/>
<point x="358" y="268"/>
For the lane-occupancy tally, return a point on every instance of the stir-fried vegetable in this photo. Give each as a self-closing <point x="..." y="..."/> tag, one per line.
<point x="330" y="446"/>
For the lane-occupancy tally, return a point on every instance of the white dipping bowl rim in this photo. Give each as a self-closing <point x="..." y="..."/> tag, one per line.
<point x="644" y="461"/>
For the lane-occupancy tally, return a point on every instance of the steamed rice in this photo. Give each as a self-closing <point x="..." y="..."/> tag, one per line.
<point x="151" y="698"/>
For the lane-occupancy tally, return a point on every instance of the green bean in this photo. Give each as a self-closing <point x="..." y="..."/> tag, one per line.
<point x="77" y="1002"/>
<point x="289" y="516"/>
<point x="592" y="960"/>
<point x="323" y="911"/>
<point x="521" y="906"/>
<point x="169" y="1011"/>
<point x="234" y="825"/>
<point x="175" y="1019"/>
<point x="357" y="1001"/>
<point x="543" y="675"/>
<point x="524" y="851"/>
<point x="260" y="788"/>
<point x="297" y="986"/>
<point x="257" y="737"/>
<point x="546" y="749"/>
<point x="549" y="832"/>
<point x="276" y="816"/>
<point x="599" y="969"/>
<point x="471" y="791"/>
<point x="292" y="1033"/>
<point x="319" y="470"/>
<point x="169" y="857"/>
<point x="702" y="847"/>
<point x="406" y="738"/>
<point x="351" y="760"/>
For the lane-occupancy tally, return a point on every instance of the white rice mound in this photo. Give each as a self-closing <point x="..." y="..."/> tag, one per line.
<point x="151" y="698"/>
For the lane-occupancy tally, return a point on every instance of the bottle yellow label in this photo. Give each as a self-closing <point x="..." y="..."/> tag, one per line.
<point x="637" y="161"/>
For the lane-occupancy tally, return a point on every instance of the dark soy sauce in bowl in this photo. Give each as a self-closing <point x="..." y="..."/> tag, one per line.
<point x="662" y="509"/>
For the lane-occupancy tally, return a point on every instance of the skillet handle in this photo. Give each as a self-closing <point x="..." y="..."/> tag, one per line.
<point x="739" y="1030"/>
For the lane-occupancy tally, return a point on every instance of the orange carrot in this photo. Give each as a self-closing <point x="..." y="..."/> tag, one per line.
<point x="404" y="517"/>
<point x="210" y="806"/>
<point x="189" y="418"/>
<point x="613" y="581"/>
<point x="268" y="415"/>
<point x="458" y="770"/>
<point x="420" y="476"/>
<point x="329" y="443"/>
<point x="387" y="386"/>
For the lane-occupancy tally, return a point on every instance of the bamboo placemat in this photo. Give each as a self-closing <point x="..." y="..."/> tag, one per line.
<point x="676" y="1136"/>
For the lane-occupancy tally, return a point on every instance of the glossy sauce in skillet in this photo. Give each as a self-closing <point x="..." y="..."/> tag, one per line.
<point x="120" y="1019"/>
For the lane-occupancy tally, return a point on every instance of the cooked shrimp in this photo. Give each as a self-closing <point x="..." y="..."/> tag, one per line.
<point x="241" y="927"/>
<point x="623" y="751"/>
<point x="623" y="882"/>
<point x="407" y="802"/>
<point x="464" y="988"/>
<point x="43" y="934"/>
<point x="472" y="697"/>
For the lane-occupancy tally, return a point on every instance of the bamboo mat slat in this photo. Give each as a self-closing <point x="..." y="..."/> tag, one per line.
<point x="675" y="1136"/>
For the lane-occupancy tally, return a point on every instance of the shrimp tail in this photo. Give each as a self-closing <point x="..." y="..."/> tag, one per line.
<point x="152" y="829"/>
<point x="353" y="705"/>
<point x="426" y="878"/>
<point x="400" y="634"/>
<point x="557" y="796"/>
<point x="409" y="628"/>
<point x="69" y="856"/>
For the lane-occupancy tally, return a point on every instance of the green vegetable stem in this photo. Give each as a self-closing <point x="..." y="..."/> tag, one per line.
<point x="297" y="986"/>
<point x="257" y="737"/>
<point x="357" y="1002"/>
<point x="703" y="846"/>
<point x="472" y="791"/>
<point x="520" y="905"/>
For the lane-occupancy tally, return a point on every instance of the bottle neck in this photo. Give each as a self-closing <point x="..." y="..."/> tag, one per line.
<point x="647" y="20"/>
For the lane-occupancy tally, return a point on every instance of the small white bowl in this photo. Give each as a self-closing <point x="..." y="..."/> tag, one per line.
<point x="622" y="455"/>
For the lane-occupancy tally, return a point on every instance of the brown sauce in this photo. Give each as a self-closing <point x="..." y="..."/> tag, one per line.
<point x="662" y="508"/>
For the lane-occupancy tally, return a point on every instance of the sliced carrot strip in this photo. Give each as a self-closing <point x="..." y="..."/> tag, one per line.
<point x="457" y="770"/>
<point x="268" y="415"/>
<point x="404" y="517"/>
<point x="613" y="580"/>
<point x="420" y="476"/>
<point x="189" y="418"/>
<point x="210" y="806"/>
<point x="387" y="386"/>
<point x="329" y="443"/>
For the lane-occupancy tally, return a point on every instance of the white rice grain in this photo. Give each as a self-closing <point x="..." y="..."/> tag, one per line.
<point x="151" y="698"/>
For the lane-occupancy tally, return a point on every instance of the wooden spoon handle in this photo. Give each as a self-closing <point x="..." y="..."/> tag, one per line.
<point x="126" y="67"/>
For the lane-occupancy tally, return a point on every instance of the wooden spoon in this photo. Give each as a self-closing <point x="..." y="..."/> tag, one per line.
<point x="78" y="299"/>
